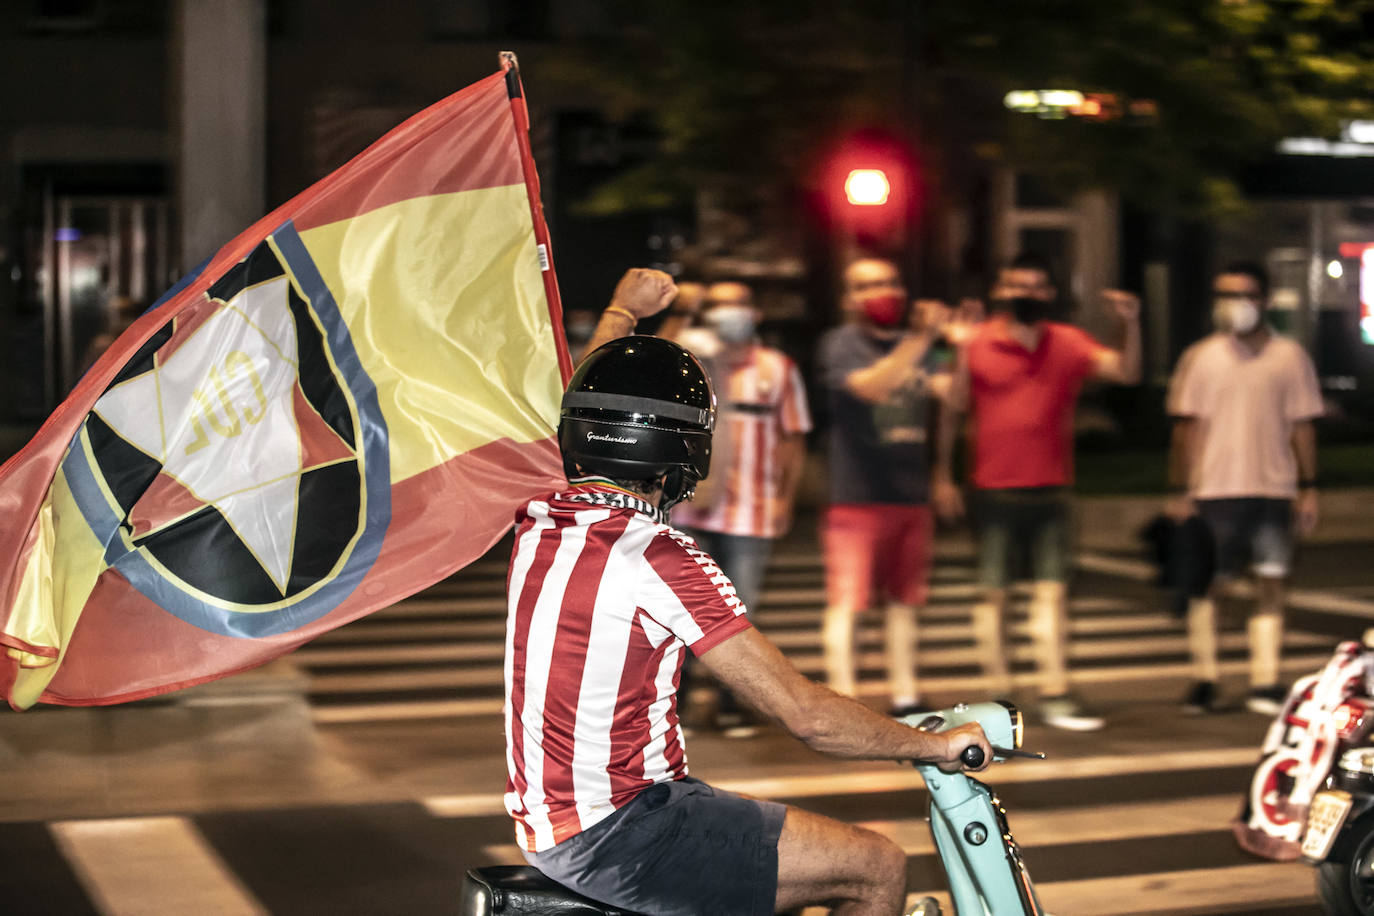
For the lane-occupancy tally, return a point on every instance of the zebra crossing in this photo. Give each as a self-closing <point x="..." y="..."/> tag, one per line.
<point x="1104" y="835"/>
<point x="439" y="654"/>
<point x="1132" y="821"/>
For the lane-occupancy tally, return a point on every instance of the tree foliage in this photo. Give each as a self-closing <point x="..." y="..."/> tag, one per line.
<point x="753" y="92"/>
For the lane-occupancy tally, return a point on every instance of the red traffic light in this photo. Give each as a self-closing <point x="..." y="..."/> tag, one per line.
<point x="867" y="187"/>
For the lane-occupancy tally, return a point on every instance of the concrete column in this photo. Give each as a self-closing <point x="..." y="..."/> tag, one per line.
<point x="219" y="67"/>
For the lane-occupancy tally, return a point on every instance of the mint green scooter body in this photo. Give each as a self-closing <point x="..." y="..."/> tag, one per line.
<point x="981" y="859"/>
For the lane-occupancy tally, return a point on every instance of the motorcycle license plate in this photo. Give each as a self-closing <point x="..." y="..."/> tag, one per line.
<point x="1324" y="820"/>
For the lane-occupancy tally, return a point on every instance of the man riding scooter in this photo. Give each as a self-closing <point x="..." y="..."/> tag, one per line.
<point x="604" y="598"/>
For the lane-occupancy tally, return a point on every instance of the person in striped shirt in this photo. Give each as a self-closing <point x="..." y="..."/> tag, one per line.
<point x="767" y="418"/>
<point x="605" y="599"/>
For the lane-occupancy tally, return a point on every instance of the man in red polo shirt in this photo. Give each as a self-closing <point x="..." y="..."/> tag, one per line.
<point x="1019" y="376"/>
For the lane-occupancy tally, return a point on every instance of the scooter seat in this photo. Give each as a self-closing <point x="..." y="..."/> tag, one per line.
<point x="522" y="890"/>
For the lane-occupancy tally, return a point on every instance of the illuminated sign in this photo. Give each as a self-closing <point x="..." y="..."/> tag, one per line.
<point x="1367" y="295"/>
<point x="1316" y="146"/>
<point x="1357" y="140"/>
<point x="1091" y="106"/>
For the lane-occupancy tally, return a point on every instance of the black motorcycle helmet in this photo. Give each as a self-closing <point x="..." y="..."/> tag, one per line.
<point x="639" y="408"/>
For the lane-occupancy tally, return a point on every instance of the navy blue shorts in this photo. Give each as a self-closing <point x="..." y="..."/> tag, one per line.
<point x="1253" y="531"/>
<point x="1034" y="518"/>
<point x="680" y="848"/>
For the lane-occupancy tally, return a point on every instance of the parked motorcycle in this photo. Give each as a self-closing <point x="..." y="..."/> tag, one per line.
<point x="1312" y="794"/>
<point x="980" y="856"/>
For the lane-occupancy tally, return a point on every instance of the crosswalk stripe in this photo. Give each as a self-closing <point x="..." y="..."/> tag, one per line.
<point x="494" y="603"/>
<point x="891" y="778"/>
<point x="810" y="663"/>
<point x="491" y="706"/>
<point x="896" y="778"/>
<point x="1091" y="824"/>
<point x="396" y="664"/>
<point x="406" y="711"/>
<point x="944" y="656"/>
<point x="150" y="866"/>
<point x="1123" y="616"/>
<point x="953" y="599"/>
<point x="1303" y="599"/>
<point x="1200" y="890"/>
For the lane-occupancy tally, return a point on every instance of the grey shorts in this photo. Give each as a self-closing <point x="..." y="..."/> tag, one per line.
<point x="679" y="847"/>
<point x="1034" y="520"/>
<point x="1250" y="530"/>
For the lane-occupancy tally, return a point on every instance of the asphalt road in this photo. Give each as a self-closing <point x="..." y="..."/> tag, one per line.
<point x="368" y="774"/>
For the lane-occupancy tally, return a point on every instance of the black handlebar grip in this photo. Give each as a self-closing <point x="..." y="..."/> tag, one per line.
<point x="972" y="756"/>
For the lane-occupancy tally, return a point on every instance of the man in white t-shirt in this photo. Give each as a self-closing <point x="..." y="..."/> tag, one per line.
<point x="1244" y="458"/>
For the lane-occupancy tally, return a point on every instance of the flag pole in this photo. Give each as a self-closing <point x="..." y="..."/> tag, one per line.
<point x="516" y="91"/>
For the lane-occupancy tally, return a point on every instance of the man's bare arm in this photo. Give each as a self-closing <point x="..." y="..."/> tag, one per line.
<point x="791" y="460"/>
<point x="1304" y="441"/>
<point x="1305" y="449"/>
<point x="640" y="293"/>
<point x="944" y="491"/>
<point x="875" y="382"/>
<point x="1181" y="442"/>
<point x="1121" y="366"/>
<point x="756" y="672"/>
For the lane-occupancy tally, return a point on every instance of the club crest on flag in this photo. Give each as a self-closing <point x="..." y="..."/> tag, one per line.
<point x="237" y="467"/>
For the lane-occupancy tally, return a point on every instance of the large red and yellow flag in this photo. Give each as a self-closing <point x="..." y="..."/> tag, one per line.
<point x="342" y="406"/>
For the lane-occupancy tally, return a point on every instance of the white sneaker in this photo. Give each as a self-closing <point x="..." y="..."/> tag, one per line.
<point x="1065" y="713"/>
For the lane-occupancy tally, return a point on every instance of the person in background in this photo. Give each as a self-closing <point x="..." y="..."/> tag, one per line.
<point x="1019" y="376"/>
<point x="880" y="371"/>
<point x="1244" y="458"/>
<point x="764" y="419"/>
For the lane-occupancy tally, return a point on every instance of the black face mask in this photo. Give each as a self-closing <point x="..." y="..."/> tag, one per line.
<point x="1029" y="310"/>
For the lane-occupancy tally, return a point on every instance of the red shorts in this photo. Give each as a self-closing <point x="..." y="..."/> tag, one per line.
<point x="872" y="544"/>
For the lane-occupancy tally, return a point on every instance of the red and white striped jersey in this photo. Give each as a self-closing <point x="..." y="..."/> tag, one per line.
<point x="603" y="596"/>
<point x="760" y="397"/>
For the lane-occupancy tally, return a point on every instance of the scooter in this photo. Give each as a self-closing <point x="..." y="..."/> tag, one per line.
<point x="1312" y="795"/>
<point x="987" y="876"/>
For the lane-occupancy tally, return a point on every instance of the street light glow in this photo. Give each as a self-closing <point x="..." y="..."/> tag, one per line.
<point x="1335" y="270"/>
<point x="1061" y="98"/>
<point x="867" y="187"/>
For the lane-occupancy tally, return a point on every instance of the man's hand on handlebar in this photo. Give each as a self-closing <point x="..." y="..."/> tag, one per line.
<point x="956" y="740"/>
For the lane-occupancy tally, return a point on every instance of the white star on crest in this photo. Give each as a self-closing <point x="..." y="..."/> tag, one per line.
<point x="224" y="427"/>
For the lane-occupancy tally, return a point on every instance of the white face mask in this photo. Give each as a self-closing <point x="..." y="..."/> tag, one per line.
<point x="733" y="323"/>
<point x="1239" y="316"/>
